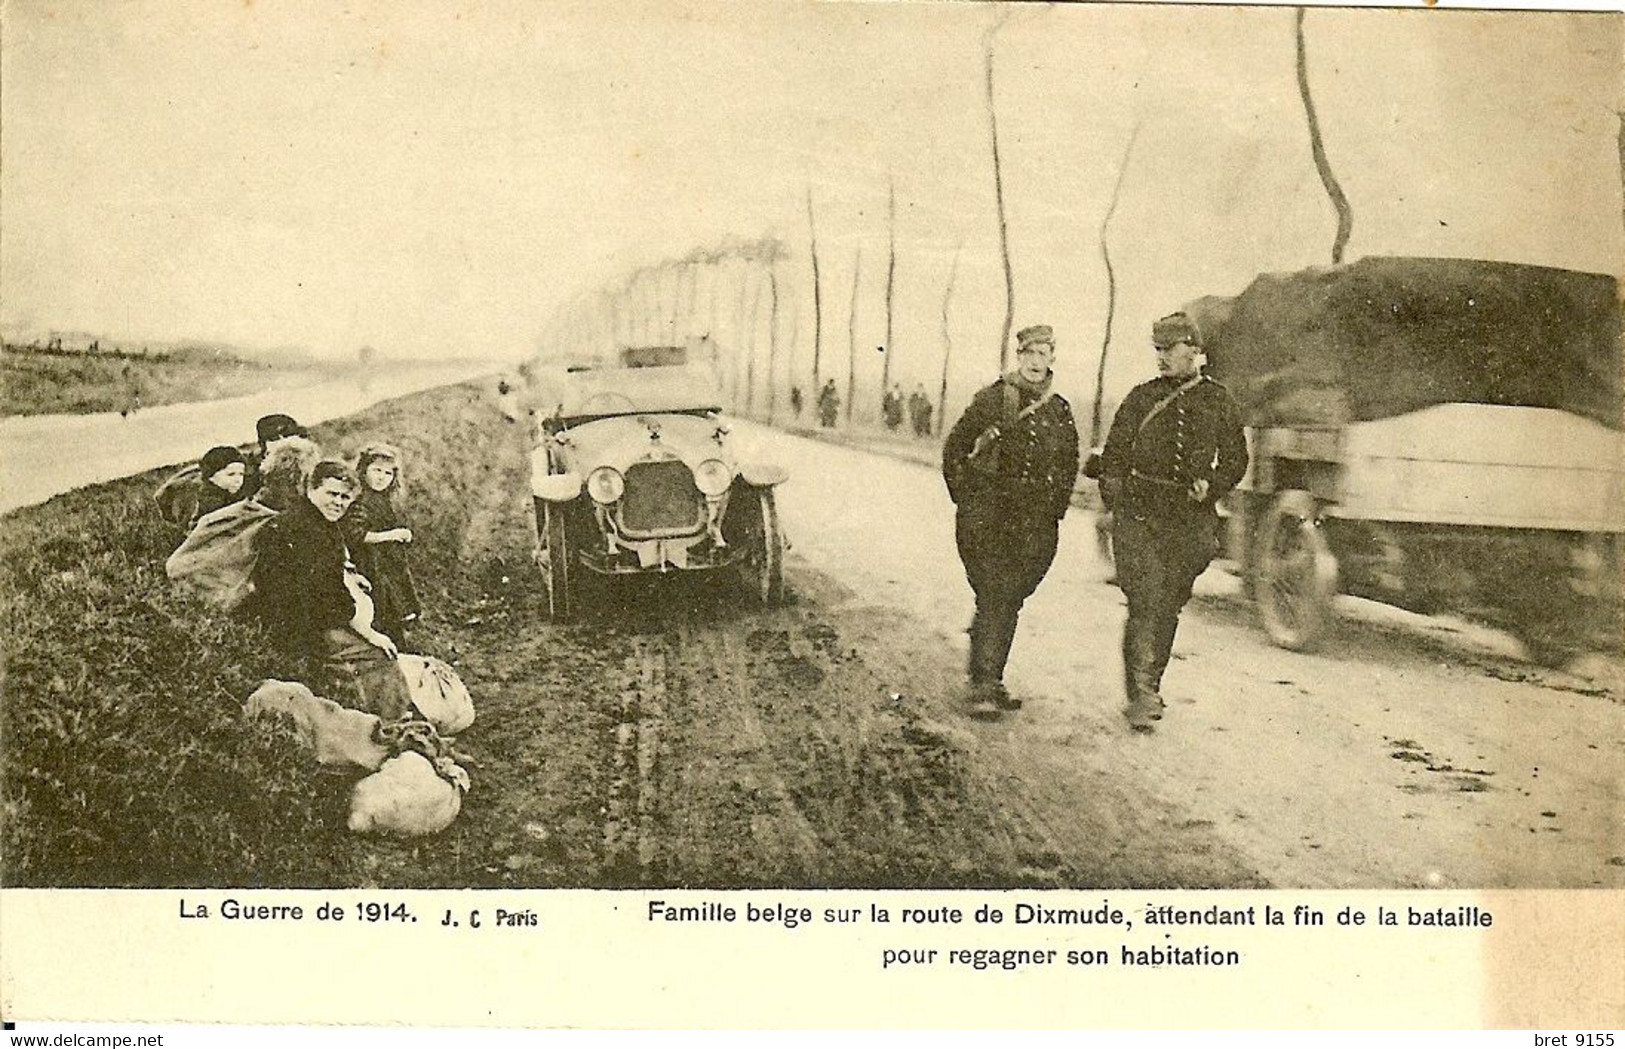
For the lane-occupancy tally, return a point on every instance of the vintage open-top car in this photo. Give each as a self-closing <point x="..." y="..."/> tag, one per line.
<point x="636" y="472"/>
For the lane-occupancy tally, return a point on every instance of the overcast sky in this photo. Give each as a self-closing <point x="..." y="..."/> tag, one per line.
<point x="436" y="178"/>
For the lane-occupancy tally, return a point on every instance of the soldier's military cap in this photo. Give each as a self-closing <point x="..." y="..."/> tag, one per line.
<point x="1175" y="329"/>
<point x="1035" y="333"/>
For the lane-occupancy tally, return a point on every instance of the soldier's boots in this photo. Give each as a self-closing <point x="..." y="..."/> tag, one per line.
<point x="1144" y="713"/>
<point x="983" y="705"/>
<point x="989" y="698"/>
<point x="1145" y="704"/>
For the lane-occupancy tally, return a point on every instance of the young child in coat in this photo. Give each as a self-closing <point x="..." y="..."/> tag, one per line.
<point x="379" y="540"/>
<point x="221" y="473"/>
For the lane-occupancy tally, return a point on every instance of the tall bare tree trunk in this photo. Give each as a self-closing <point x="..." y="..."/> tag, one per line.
<point x="891" y="274"/>
<point x="852" y="338"/>
<point x="670" y="274"/>
<point x="693" y="271"/>
<point x="635" y="322"/>
<point x="750" y="359"/>
<point x="818" y="294"/>
<point x="998" y="195"/>
<point x="739" y="326"/>
<point x="793" y="343"/>
<point x="715" y="265"/>
<point x="1096" y="423"/>
<point x="634" y="309"/>
<point x="1345" y="214"/>
<point x="1621" y="116"/>
<point x="772" y="335"/>
<point x="650" y="279"/>
<point x="947" y="339"/>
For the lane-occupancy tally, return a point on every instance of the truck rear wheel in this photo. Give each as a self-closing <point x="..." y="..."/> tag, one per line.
<point x="1296" y="573"/>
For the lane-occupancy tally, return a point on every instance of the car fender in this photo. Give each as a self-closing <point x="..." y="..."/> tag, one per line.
<point x="556" y="488"/>
<point x="763" y="475"/>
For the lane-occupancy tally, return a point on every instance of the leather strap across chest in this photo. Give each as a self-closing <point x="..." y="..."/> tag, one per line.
<point x="1157" y="409"/>
<point x="1012" y="396"/>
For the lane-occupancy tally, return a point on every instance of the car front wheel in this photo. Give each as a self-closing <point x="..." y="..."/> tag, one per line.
<point x="761" y="569"/>
<point x="558" y="571"/>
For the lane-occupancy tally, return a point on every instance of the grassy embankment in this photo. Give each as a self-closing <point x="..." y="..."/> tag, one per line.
<point x="37" y="382"/>
<point x="126" y="759"/>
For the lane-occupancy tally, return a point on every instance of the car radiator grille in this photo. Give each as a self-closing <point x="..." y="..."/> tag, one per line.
<point x="661" y="497"/>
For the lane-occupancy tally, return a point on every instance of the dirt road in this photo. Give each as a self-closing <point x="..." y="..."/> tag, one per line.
<point x="672" y="737"/>
<point x="1405" y="754"/>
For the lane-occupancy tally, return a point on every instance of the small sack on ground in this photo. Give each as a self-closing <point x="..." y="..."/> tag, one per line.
<point x="438" y="693"/>
<point x="409" y="796"/>
<point x="338" y="735"/>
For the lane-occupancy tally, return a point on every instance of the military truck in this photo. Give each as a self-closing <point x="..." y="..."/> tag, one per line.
<point x="1436" y="434"/>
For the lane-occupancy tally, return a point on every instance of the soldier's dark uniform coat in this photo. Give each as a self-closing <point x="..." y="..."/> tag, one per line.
<point x="1161" y="538"/>
<point x="1009" y="509"/>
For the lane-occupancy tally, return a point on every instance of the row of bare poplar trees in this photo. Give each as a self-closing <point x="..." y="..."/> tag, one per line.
<point x="664" y="303"/>
<point x="732" y="302"/>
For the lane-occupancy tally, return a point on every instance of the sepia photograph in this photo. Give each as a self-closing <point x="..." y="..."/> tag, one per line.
<point x="790" y="446"/>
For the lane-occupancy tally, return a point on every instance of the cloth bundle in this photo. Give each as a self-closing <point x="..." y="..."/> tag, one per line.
<point x="216" y="560"/>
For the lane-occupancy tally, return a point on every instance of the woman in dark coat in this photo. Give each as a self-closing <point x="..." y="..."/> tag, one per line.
<point x="316" y="610"/>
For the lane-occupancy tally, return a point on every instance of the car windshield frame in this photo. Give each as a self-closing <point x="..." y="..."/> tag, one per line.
<point x="600" y="393"/>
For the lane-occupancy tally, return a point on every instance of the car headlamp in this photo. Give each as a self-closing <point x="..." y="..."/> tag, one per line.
<point x="713" y="477"/>
<point x="605" y="484"/>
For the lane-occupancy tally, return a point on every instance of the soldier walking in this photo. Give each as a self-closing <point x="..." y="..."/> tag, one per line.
<point x="1175" y="448"/>
<point x="1010" y="462"/>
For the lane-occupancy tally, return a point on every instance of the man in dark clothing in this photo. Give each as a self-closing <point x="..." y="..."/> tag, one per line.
<point x="829" y="403"/>
<point x="891" y="407"/>
<point x="919" y="405"/>
<point x="1010" y="462"/>
<point x="1175" y="448"/>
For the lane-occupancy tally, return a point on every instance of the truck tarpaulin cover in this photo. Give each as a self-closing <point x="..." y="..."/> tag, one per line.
<point x="1385" y="336"/>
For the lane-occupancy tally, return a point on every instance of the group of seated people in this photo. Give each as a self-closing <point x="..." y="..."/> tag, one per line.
<point x="322" y="549"/>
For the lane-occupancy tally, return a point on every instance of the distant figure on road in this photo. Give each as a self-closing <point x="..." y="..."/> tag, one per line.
<point x="1010" y="462"/>
<point x="891" y="407"/>
<point x="507" y="401"/>
<point x="829" y="405"/>
<point x="1174" y="449"/>
<point x="919" y="411"/>
<point x="796" y="401"/>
